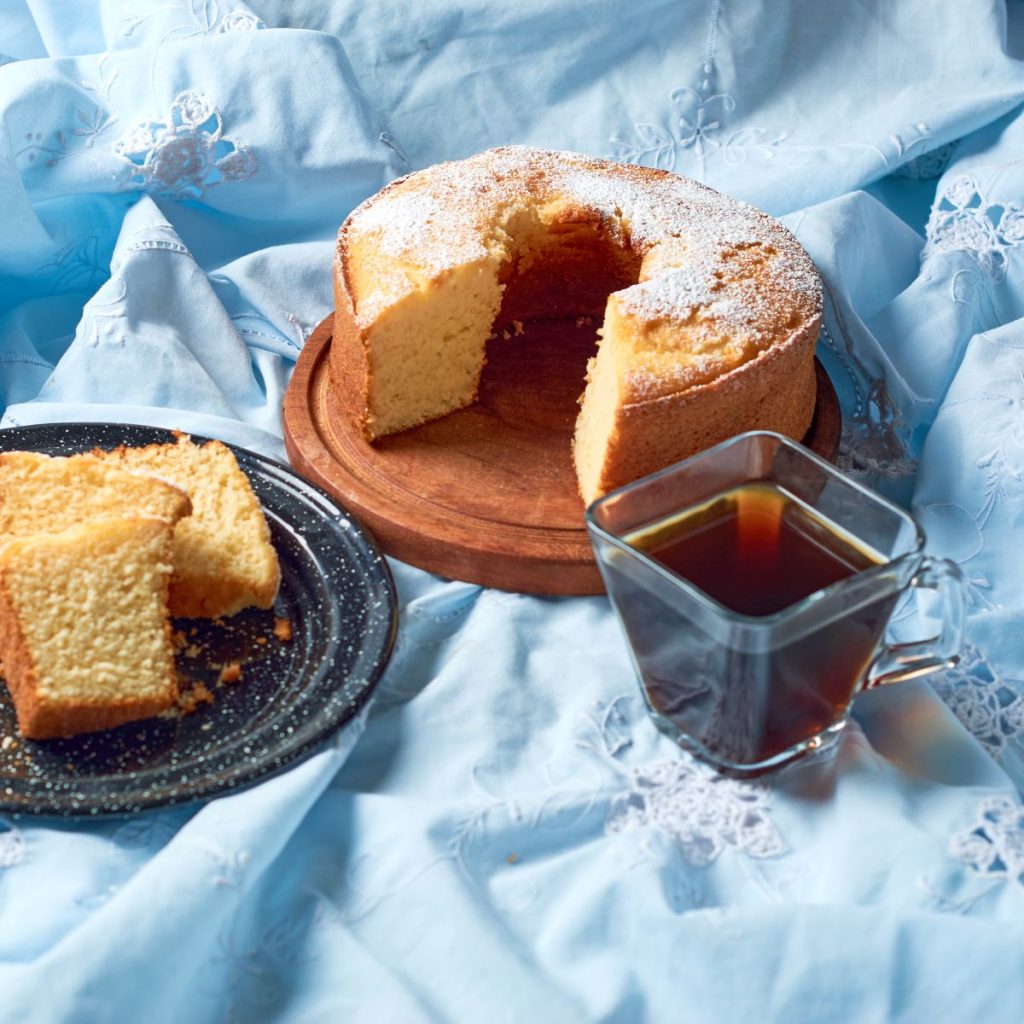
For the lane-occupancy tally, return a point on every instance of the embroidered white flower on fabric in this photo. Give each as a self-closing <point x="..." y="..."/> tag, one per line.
<point x="240" y="21"/>
<point x="990" y="706"/>
<point x="701" y="127"/>
<point x="704" y="812"/>
<point x="994" y="844"/>
<point x="963" y="220"/>
<point x="698" y="125"/>
<point x="185" y="19"/>
<point x="186" y="153"/>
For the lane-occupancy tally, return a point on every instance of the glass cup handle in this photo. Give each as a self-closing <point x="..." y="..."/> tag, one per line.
<point x="897" y="662"/>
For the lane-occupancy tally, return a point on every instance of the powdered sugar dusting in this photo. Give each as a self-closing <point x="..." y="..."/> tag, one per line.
<point x="452" y="213"/>
<point x="411" y="216"/>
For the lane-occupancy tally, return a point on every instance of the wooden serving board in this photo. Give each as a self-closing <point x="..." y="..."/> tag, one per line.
<point x="486" y="494"/>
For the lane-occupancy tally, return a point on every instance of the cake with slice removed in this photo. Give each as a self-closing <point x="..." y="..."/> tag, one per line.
<point x="709" y="307"/>
<point x="84" y="632"/>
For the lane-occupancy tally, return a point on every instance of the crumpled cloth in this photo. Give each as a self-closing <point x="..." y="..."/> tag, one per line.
<point x="504" y="835"/>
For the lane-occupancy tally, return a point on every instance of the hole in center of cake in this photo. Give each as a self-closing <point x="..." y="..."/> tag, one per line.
<point x="556" y="280"/>
<point x="561" y="270"/>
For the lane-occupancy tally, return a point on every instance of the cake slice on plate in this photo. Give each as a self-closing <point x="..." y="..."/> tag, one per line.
<point x="223" y="558"/>
<point x="84" y="631"/>
<point x="43" y="494"/>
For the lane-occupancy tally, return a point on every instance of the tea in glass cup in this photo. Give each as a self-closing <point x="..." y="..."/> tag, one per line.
<point x="755" y="584"/>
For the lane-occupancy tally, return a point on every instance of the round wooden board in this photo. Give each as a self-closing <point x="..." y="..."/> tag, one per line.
<point x="486" y="494"/>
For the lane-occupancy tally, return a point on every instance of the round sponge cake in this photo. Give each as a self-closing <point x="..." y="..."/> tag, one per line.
<point x="710" y="308"/>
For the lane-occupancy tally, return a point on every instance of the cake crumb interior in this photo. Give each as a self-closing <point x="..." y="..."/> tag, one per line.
<point x="97" y="598"/>
<point x="429" y="349"/>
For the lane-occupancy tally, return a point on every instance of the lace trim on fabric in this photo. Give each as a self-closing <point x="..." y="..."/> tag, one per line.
<point x="928" y="165"/>
<point x="701" y="811"/>
<point x="994" y="844"/>
<point x="873" y="444"/>
<point x="964" y="220"/>
<point x="989" y="705"/>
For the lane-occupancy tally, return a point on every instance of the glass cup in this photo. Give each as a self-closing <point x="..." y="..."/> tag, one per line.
<point x="749" y="692"/>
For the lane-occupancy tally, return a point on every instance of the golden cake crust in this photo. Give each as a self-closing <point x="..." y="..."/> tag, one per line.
<point x="709" y="323"/>
<point x="778" y="389"/>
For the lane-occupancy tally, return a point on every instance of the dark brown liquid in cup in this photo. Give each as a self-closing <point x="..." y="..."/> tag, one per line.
<point x="755" y="551"/>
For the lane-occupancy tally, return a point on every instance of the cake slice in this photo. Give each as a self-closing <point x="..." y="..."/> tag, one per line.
<point x="223" y="558"/>
<point x="40" y="494"/>
<point x="84" y="633"/>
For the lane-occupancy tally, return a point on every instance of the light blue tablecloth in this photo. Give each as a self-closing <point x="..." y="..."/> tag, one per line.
<point x="506" y="837"/>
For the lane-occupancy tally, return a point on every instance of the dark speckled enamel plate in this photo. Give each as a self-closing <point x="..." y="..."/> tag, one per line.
<point x="338" y="595"/>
